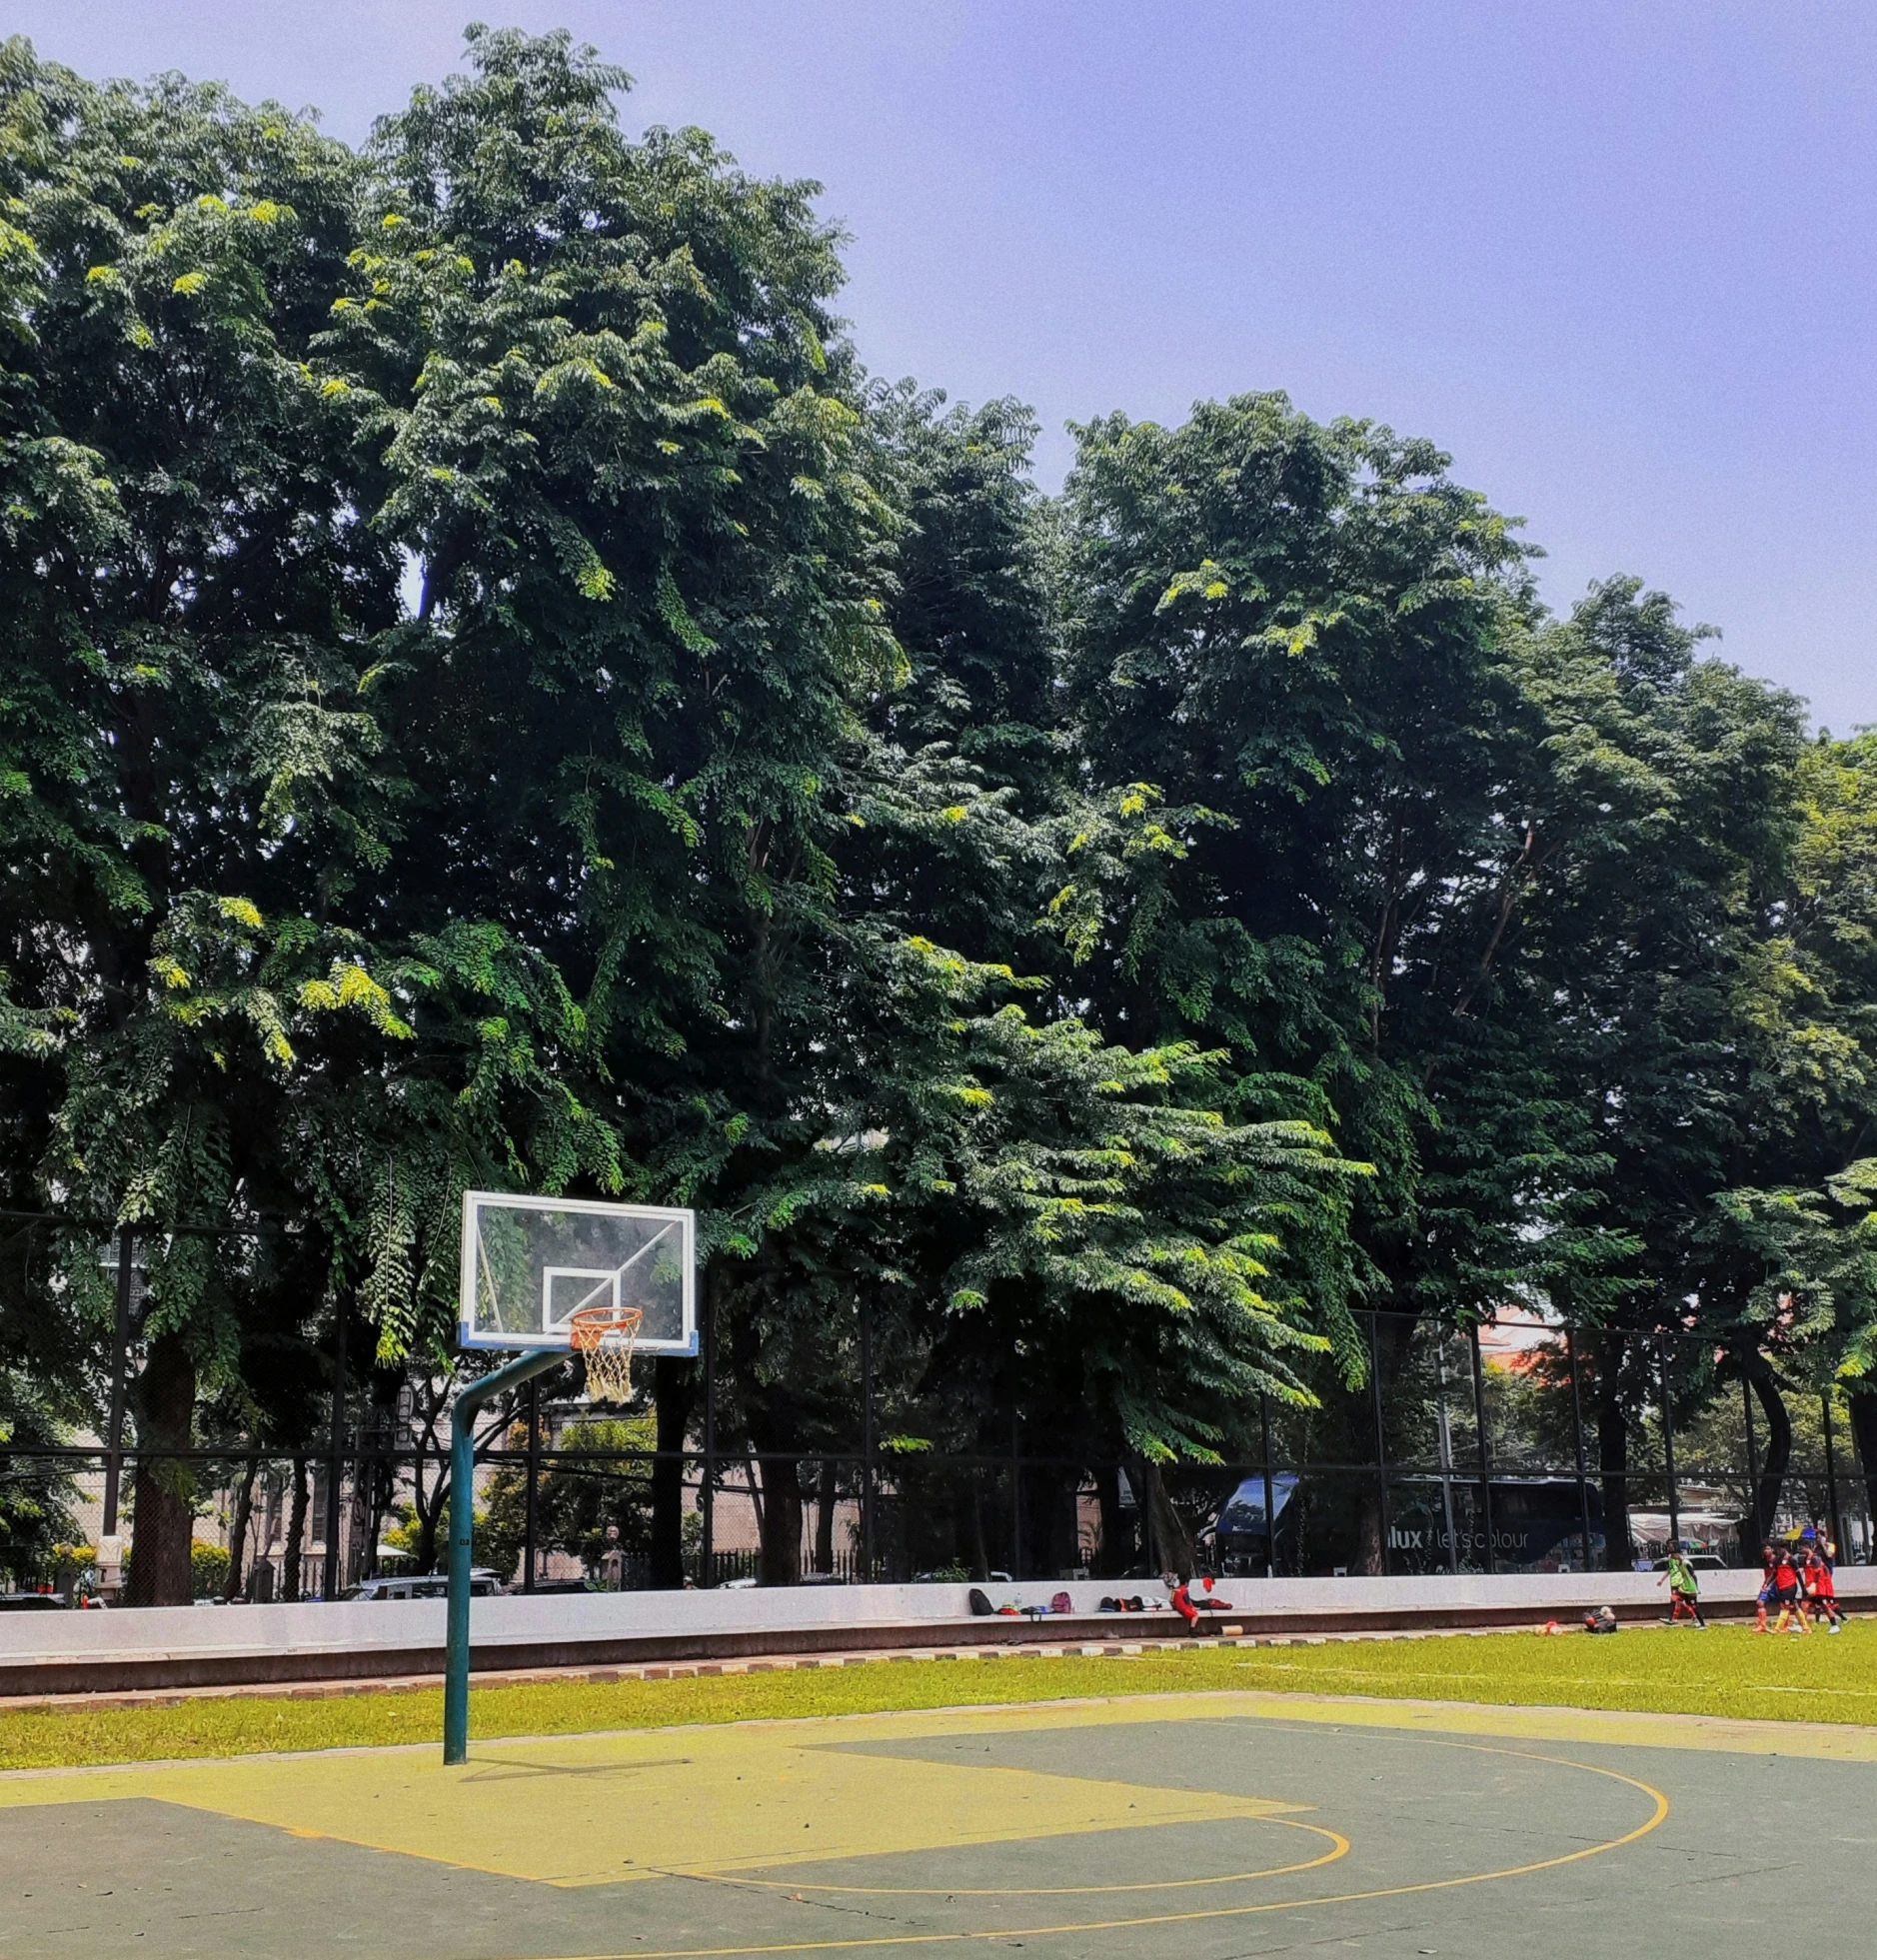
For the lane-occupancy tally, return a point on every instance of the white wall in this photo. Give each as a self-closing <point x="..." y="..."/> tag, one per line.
<point x="518" y="1618"/>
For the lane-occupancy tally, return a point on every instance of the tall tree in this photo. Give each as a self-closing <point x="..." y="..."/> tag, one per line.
<point x="186" y="589"/>
<point x="1299" y="642"/>
<point x="1674" y="811"/>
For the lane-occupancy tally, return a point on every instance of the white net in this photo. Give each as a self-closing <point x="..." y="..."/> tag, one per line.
<point x="603" y="1336"/>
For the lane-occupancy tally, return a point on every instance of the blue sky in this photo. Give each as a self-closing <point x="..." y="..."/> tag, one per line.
<point x="1618" y="259"/>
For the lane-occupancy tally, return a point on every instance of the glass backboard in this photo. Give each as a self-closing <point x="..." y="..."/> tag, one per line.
<point x="530" y="1263"/>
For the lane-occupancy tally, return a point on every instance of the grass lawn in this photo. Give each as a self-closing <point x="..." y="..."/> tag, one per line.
<point x="1726" y="1671"/>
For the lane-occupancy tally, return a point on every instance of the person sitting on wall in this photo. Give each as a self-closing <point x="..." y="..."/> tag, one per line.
<point x="1179" y="1597"/>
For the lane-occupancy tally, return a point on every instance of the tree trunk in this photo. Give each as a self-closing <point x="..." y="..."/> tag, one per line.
<point x="1166" y="1530"/>
<point x="1619" y="1553"/>
<point x="1049" y="1520"/>
<point x="163" y="1495"/>
<point x="359" y="1520"/>
<point x="1389" y="1350"/>
<point x="828" y="1497"/>
<point x="1864" y="1436"/>
<point x="1369" y="1558"/>
<point x="781" y="1520"/>
<point x="673" y="1392"/>
<point x="1778" y="1453"/>
<point x="239" y="1528"/>
<point x="296" y="1533"/>
<point x="375" y="1489"/>
<point x="429" y="1506"/>
<point x="1116" y="1552"/>
<point x="981" y="1556"/>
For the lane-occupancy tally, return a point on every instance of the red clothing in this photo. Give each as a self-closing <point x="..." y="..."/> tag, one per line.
<point x="1181" y="1601"/>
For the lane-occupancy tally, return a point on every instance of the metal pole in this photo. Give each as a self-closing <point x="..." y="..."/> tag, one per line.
<point x="1831" y="1474"/>
<point x="120" y="1360"/>
<point x="1485" y="1459"/>
<point x="867" y="1442"/>
<point x="531" y="1531"/>
<point x="462" y="1415"/>
<point x="1668" y="1443"/>
<point x="1270" y="1511"/>
<point x="1754" y="1470"/>
<point x="1444" y="1433"/>
<point x="1016" y="1481"/>
<point x="1381" y="1441"/>
<point x="336" y="1458"/>
<point x="1577" y="1437"/>
<point x="707" y="1497"/>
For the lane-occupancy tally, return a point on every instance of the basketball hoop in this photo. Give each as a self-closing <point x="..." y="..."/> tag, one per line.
<point x="603" y="1336"/>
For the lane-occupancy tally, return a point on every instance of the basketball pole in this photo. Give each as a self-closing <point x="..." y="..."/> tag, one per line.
<point x="470" y="1404"/>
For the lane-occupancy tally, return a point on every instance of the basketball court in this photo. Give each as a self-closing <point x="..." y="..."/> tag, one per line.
<point x="1213" y="1825"/>
<point x="1210" y="1825"/>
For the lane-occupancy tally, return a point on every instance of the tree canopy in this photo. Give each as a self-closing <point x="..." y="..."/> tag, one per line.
<point x="494" y="692"/>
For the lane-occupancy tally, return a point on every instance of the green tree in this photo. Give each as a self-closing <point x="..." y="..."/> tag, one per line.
<point x="1674" y="810"/>
<point x="214" y="1022"/>
<point x="184" y="589"/>
<point x="598" y="1481"/>
<point x="1298" y="644"/>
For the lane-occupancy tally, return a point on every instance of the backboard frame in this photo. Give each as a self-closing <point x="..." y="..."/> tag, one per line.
<point x="555" y="1338"/>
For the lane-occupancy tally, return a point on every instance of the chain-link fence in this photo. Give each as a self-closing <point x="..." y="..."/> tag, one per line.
<point x="1518" y="1445"/>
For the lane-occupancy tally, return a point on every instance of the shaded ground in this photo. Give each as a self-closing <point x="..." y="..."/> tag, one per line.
<point x="1217" y="1826"/>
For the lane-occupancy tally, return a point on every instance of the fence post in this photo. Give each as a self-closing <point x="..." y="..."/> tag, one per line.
<point x="1751" y="1552"/>
<point x="1668" y="1441"/>
<point x="120" y="1362"/>
<point x="1443" y="1434"/>
<point x="1017" y="1479"/>
<point x="1381" y="1441"/>
<point x="1577" y="1437"/>
<point x="867" y="1442"/>
<point x="531" y="1526"/>
<point x="1831" y="1474"/>
<point x="1479" y="1427"/>
<point x="1270" y="1512"/>
<point x="707" y="1497"/>
<point x="336" y="1462"/>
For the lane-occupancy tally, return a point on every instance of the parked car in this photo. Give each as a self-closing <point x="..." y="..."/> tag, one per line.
<point x="423" y="1585"/>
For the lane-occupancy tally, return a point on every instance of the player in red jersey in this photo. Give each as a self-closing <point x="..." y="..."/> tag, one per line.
<point x="1820" y="1583"/>
<point x="1179" y="1597"/>
<point x="1787" y="1596"/>
<point x="1769" y="1560"/>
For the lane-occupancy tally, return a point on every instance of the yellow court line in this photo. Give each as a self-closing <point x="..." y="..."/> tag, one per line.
<point x="1339" y="1843"/>
<point x="1201" y="1913"/>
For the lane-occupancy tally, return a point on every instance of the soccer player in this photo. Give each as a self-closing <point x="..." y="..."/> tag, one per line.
<point x="1769" y="1560"/>
<point x="1683" y="1588"/>
<point x="1786" y="1595"/>
<point x="1821" y="1585"/>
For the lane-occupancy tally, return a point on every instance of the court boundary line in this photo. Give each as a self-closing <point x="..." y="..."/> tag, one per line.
<point x="1337" y="1840"/>
<point x="1200" y="1914"/>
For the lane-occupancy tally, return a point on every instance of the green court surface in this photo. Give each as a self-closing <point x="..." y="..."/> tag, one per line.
<point x="1213" y="1825"/>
